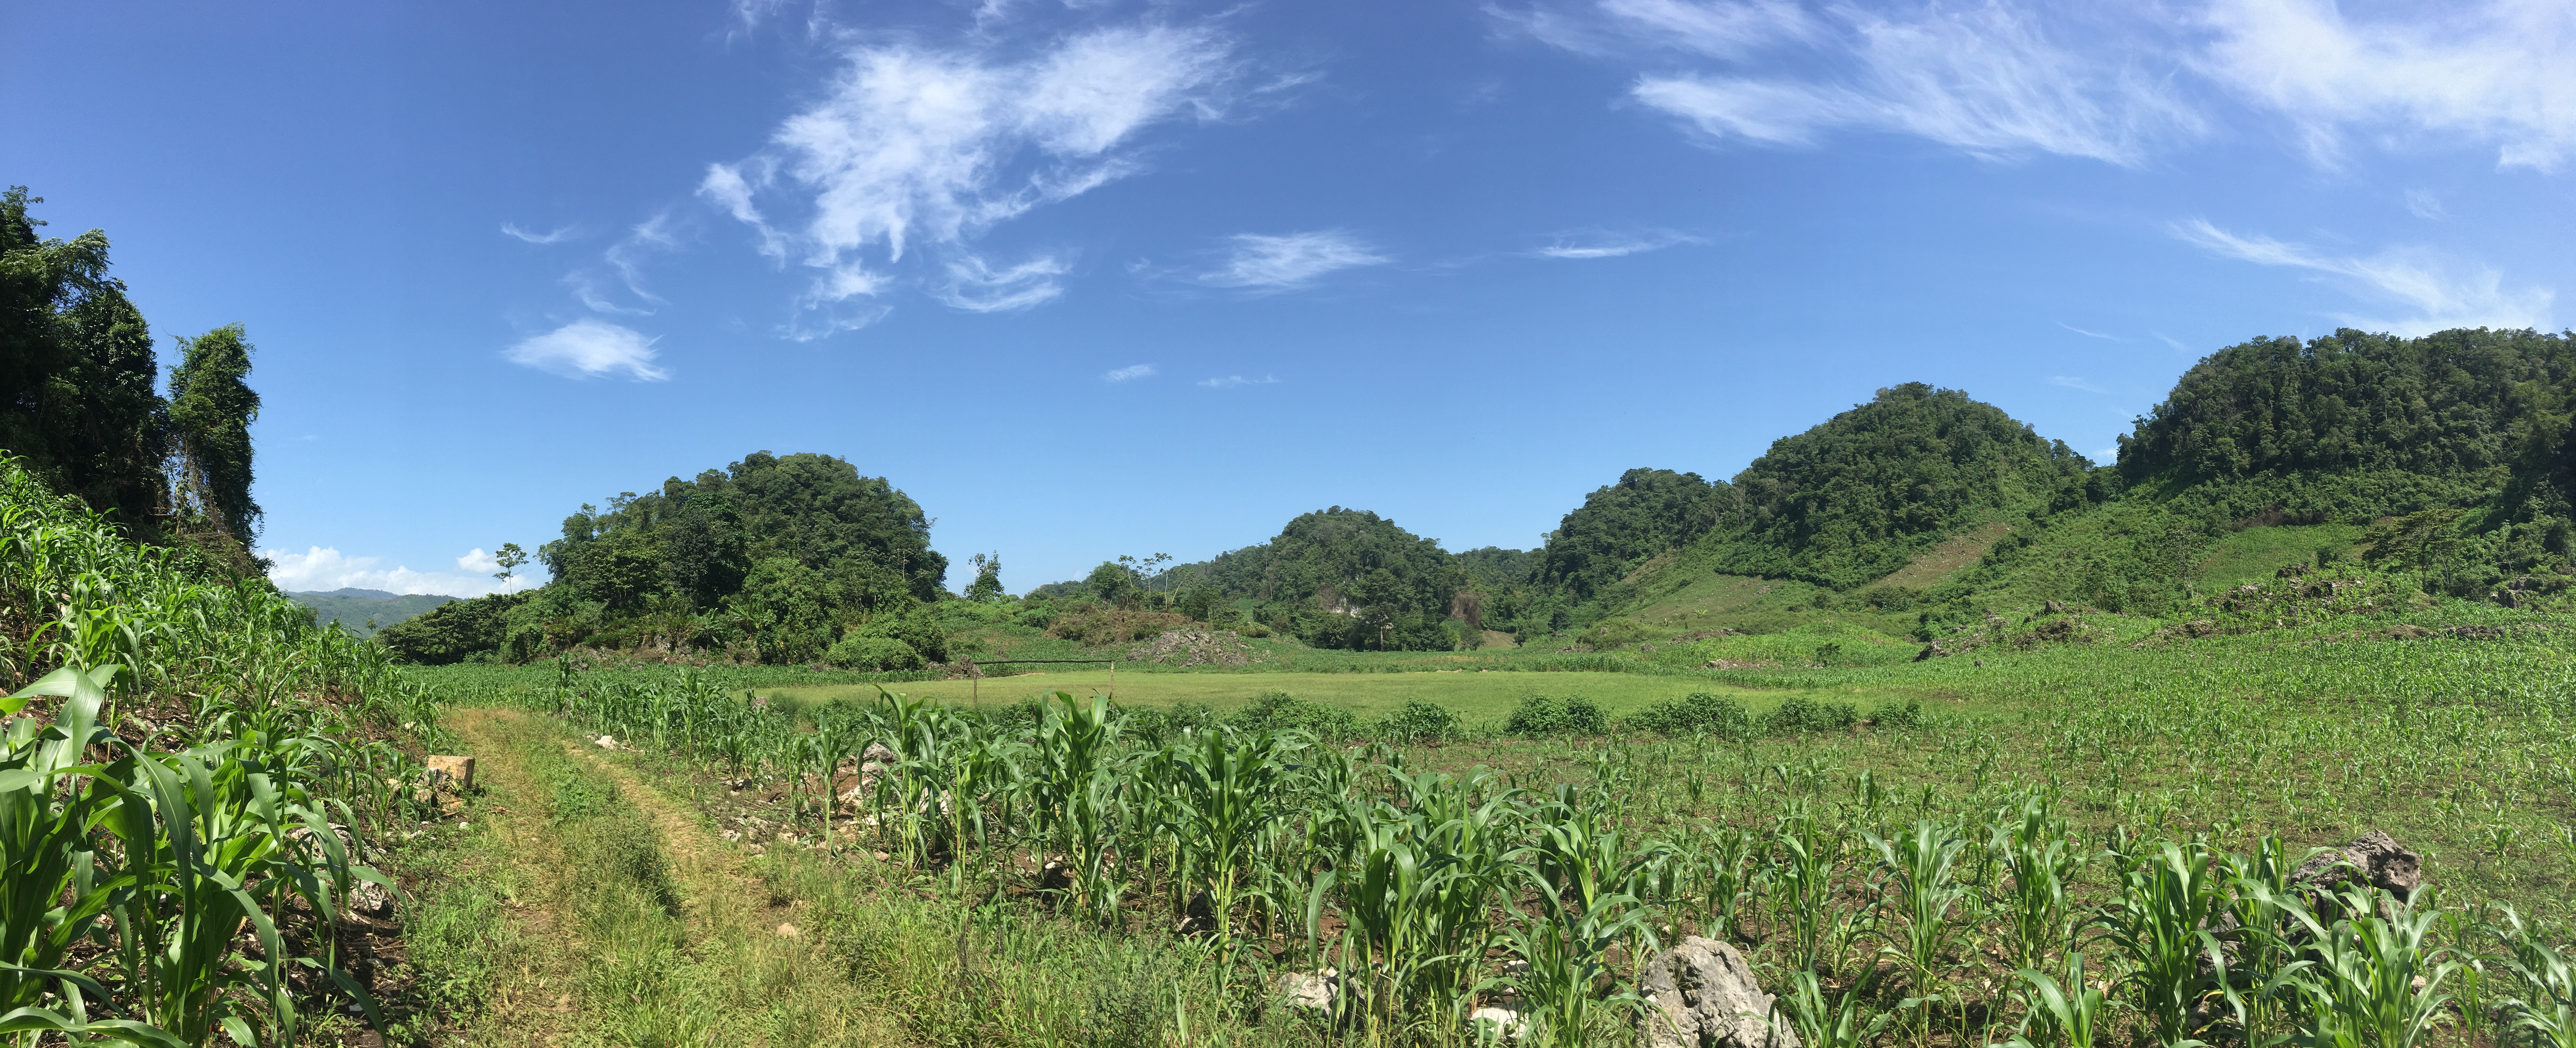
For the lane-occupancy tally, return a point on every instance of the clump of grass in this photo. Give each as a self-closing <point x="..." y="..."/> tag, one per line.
<point x="1420" y="721"/>
<point x="1280" y="711"/>
<point x="1799" y="714"/>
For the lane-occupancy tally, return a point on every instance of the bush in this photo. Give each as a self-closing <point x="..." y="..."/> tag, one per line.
<point x="861" y="651"/>
<point x="1895" y="714"/>
<point x="1421" y="720"/>
<point x="1279" y="711"/>
<point x="1802" y="714"/>
<point x="1696" y="713"/>
<point x="1540" y="716"/>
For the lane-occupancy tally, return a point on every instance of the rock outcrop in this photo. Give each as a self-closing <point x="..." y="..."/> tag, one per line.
<point x="1703" y="995"/>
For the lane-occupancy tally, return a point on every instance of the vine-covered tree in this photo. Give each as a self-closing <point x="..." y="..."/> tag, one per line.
<point x="211" y="410"/>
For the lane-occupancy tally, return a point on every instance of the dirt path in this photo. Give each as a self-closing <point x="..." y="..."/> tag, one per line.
<point x="736" y="961"/>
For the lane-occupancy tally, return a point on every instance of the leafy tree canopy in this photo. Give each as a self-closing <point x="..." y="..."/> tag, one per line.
<point x="1856" y="497"/>
<point x="1621" y="525"/>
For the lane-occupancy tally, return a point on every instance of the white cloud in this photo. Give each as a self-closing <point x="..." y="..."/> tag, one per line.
<point x="977" y="286"/>
<point x="652" y="236"/>
<point x="2174" y="342"/>
<point x="1606" y="246"/>
<point x="554" y="236"/>
<point x="1984" y="79"/>
<point x="1289" y="260"/>
<point x="323" y="569"/>
<point x="2425" y="203"/>
<point x="2109" y="454"/>
<point x="590" y="348"/>
<point x="2087" y="334"/>
<point x="2501" y="72"/>
<point x="1232" y="381"/>
<point x="1132" y="371"/>
<point x="2443" y="293"/>
<point x="2071" y="382"/>
<point x="916" y="146"/>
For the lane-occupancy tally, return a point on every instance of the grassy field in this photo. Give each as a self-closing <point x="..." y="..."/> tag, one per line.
<point x="1475" y="696"/>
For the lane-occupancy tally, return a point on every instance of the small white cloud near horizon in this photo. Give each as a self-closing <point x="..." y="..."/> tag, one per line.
<point x="588" y="349"/>
<point x="1603" y="246"/>
<point x="1289" y="260"/>
<point x="2072" y="382"/>
<point x="555" y="236"/>
<point x="2088" y="334"/>
<point x="2107" y="455"/>
<point x="321" y="569"/>
<point x="1128" y="373"/>
<point x="2444" y="293"/>
<point x="1232" y="381"/>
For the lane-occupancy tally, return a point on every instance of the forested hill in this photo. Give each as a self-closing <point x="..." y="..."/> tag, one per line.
<point x="794" y="558"/>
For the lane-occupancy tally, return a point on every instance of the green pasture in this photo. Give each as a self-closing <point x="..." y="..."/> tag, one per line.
<point x="1474" y="696"/>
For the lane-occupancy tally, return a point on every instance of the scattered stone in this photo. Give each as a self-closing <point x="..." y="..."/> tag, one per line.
<point x="2375" y="857"/>
<point x="1704" y="996"/>
<point x="1310" y="992"/>
<point x="372" y="899"/>
<point x="882" y="856"/>
<point x="1198" y="648"/>
<point x="1505" y="1023"/>
<point x="455" y="773"/>
<point x="605" y="742"/>
<point x="2053" y="608"/>
<point x="786" y="930"/>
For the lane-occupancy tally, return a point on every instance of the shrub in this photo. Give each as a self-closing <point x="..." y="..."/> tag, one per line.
<point x="1695" y="713"/>
<point x="1615" y="633"/>
<point x="1421" y="720"/>
<point x="1539" y="716"/>
<point x="1802" y="714"/>
<point x="860" y="651"/>
<point x="1895" y="714"/>
<point x="1279" y="711"/>
<point x="1156" y="726"/>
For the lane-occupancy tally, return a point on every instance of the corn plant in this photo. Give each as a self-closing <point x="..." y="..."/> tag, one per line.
<point x="1725" y="877"/>
<point x="2363" y="991"/>
<point x="2069" y="1014"/>
<point x="2167" y="905"/>
<point x="1923" y="866"/>
<point x="1233" y="798"/>
<point x="1802" y="884"/>
<point x="1823" y="1024"/>
<point x="2545" y="1003"/>
<point x="1565" y="952"/>
<point x="2040" y="863"/>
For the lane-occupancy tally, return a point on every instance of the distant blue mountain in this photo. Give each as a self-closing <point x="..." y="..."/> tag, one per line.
<point x="355" y="608"/>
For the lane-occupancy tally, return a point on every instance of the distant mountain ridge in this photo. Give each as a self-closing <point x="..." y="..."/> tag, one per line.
<point x="356" y="607"/>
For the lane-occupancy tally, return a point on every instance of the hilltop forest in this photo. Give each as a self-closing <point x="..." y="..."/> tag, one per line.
<point x="2444" y="457"/>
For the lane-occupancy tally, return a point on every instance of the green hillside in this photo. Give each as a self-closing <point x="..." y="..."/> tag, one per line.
<point x="365" y="611"/>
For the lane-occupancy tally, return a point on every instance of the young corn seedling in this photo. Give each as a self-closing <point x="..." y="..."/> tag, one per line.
<point x="1923" y="865"/>
<point x="1822" y="1024"/>
<point x="2545" y="1003"/>
<point x="2363" y="991"/>
<point x="2068" y="1014"/>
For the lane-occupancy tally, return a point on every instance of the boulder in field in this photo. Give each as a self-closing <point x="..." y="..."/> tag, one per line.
<point x="1702" y="995"/>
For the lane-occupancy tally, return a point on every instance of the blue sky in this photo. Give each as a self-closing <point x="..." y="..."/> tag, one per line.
<point x="1098" y="278"/>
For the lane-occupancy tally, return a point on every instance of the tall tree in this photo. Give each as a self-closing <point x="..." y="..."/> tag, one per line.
<point x="211" y="409"/>
<point x="76" y="369"/>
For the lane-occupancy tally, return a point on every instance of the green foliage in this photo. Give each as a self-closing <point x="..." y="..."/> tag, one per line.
<point x="1339" y="578"/>
<point x="1421" y="721"/>
<point x="1799" y="714"/>
<point x="863" y="651"/>
<point x="1542" y="716"/>
<point x="453" y="632"/>
<point x="1496" y="568"/>
<point x="77" y="370"/>
<point x="1698" y="713"/>
<point x="1647" y="512"/>
<point x="211" y="410"/>
<point x="1853" y="499"/>
<point x="1279" y="711"/>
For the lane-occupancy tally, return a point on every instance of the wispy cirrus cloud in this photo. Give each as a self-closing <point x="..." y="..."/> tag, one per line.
<point x="556" y="235"/>
<point x="1289" y="260"/>
<point x="1129" y="373"/>
<point x="2004" y="79"/>
<point x="2087" y="334"/>
<point x="1991" y="80"/>
<point x="1234" y="381"/>
<point x="590" y="349"/>
<point x="2443" y="292"/>
<point x="2501" y="72"/>
<point x="1606" y="245"/>
<point x="2072" y="382"/>
<point x="321" y="569"/>
<point x="915" y="147"/>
